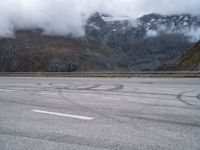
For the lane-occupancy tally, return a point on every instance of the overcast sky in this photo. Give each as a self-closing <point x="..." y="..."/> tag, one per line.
<point x="62" y="17"/>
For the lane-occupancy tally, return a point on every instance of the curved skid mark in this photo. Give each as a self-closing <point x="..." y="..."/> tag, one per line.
<point x="88" y="88"/>
<point x="137" y="117"/>
<point x="86" y="108"/>
<point x="198" y="96"/>
<point x="44" y="105"/>
<point x="117" y="87"/>
<point x="52" y="84"/>
<point x="179" y="96"/>
<point x="92" y="88"/>
<point x="73" y="87"/>
<point x="57" y="86"/>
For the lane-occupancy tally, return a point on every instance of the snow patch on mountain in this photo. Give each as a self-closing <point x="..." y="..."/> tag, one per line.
<point x="187" y="25"/>
<point x="116" y="18"/>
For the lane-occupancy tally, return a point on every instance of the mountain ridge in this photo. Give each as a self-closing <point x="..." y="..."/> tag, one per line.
<point x="117" y="45"/>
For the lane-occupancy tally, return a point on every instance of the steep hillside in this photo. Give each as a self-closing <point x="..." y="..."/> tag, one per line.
<point x="109" y="44"/>
<point x="32" y="51"/>
<point x="189" y="61"/>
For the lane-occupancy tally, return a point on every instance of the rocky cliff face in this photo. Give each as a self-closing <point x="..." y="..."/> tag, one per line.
<point x="109" y="44"/>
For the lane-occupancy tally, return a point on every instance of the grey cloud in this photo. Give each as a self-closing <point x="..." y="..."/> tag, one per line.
<point x="64" y="17"/>
<point x="192" y="33"/>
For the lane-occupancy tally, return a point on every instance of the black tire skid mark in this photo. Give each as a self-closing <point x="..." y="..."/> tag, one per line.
<point x="198" y="96"/>
<point x="52" y="106"/>
<point x="157" y="105"/>
<point x="115" y="88"/>
<point x="33" y="102"/>
<point x="136" y="117"/>
<point x="87" y="109"/>
<point x="45" y="105"/>
<point x="41" y="105"/>
<point x="47" y="89"/>
<point x="73" y="87"/>
<point x="89" y="88"/>
<point x="131" y="92"/>
<point x="179" y="97"/>
<point x="146" y="93"/>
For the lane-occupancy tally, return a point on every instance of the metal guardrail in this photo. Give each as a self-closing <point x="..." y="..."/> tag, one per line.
<point x="104" y="74"/>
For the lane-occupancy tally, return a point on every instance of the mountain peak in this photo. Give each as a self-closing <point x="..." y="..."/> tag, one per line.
<point x="96" y="19"/>
<point x="149" y="17"/>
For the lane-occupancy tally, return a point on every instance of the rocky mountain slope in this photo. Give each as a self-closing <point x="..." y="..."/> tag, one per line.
<point x="109" y="44"/>
<point x="189" y="61"/>
<point x="32" y="51"/>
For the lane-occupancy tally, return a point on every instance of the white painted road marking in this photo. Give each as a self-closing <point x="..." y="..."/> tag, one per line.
<point x="63" y="115"/>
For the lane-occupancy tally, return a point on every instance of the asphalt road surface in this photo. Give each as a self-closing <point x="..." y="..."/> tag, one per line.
<point x="98" y="113"/>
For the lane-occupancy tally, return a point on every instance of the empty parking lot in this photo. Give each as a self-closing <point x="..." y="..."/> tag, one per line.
<point x="99" y="113"/>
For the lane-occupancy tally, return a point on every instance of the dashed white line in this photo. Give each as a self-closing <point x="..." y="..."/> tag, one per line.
<point x="63" y="115"/>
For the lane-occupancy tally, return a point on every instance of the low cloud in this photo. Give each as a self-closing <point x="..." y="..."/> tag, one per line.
<point x="67" y="17"/>
<point x="151" y="33"/>
<point x="192" y="33"/>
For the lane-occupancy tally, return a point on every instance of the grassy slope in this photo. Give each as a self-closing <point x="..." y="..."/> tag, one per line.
<point x="191" y="60"/>
<point x="188" y="62"/>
